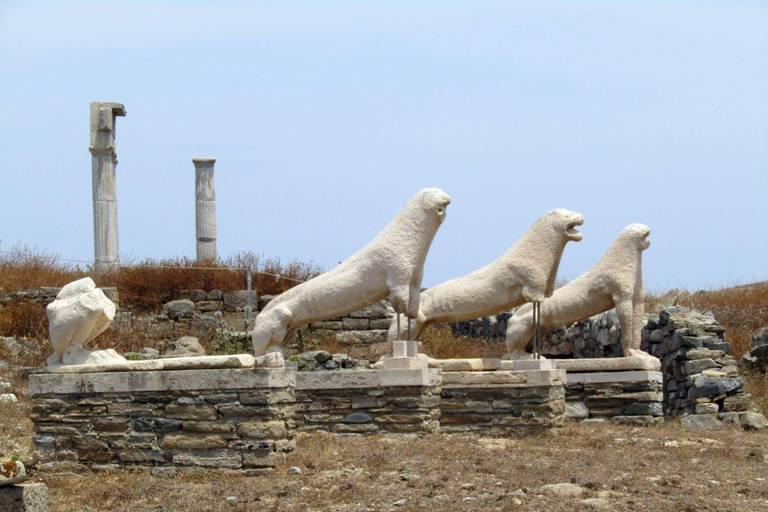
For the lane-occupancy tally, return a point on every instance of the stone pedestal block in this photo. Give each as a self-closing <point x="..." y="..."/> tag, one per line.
<point x="503" y="402"/>
<point x="629" y="397"/>
<point x="238" y="419"/>
<point x="369" y="401"/>
<point x="26" y="497"/>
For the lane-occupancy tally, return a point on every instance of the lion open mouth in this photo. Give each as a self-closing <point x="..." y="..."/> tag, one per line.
<point x="573" y="233"/>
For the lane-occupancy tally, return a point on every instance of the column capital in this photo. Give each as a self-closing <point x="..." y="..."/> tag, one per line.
<point x="103" y="115"/>
<point x="203" y="162"/>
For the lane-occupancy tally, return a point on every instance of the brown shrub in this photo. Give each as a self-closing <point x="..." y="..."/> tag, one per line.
<point x="437" y="341"/>
<point x="146" y="284"/>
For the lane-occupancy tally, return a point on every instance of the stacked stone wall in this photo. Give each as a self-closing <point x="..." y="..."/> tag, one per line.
<point x="502" y="402"/>
<point x="628" y="397"/>
<point x="173" y="425"/>
<point x="369" y="401"/>
<point x="700" y="375"/>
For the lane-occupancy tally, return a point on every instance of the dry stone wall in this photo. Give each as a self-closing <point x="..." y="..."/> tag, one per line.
<point x="502" y="402"/>
<point x="231" y="419"/>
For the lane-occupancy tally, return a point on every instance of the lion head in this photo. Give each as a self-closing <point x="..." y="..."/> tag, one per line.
<point x="564" y="222"/>
<point x="434" y="199"/>
<point x="638" y="234"/>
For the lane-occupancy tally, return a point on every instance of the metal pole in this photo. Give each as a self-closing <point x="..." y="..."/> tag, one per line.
<point x="397" y="313"/>
<point x="412" y="347"/>
<point x="249" y="308"/>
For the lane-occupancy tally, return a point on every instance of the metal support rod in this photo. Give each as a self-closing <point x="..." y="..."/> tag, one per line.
<point x="249" y="308"/>
<point x="537" y="330"/>
<point x="397" y="314"/>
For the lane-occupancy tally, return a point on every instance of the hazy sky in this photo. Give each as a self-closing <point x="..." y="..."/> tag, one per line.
<point x="326" y="117"/>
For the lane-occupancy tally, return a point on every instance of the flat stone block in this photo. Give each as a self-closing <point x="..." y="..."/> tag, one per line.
<point x="609" y="377"/>
<point x="465" y="365"/>
<point x="529" y="364"/>
<point x="495" y="379"/>
<point x="24" y="498"/>
<point x="364" y="379"/>
<point x="404" y="363"/>
<point x="181" y="380"/>
<point x="171" y="363"/>
<point x="607" y="364"/>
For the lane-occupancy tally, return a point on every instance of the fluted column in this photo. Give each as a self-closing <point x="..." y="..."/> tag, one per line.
<point x="205" y="208"/>
<point x="103" y="163"/>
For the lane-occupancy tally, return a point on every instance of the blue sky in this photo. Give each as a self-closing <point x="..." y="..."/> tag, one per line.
<point x="326" y="117"/>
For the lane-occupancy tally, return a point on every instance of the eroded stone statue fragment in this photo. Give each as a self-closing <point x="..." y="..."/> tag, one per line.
<point x="392" y="264"/>
<point x="615" y="281"/>
<point x="525" y="273"/>
<point x="79" y="314"/>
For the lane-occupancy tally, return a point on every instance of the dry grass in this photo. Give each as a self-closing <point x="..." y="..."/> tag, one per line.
<point x="437" y="341"/>
<point x="630" y="469"/>
<point x="144" y="285"/>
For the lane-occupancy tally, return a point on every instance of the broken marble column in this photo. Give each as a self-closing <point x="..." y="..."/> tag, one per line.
<point x="103" y="163"/>
<point x="205" y="208"/>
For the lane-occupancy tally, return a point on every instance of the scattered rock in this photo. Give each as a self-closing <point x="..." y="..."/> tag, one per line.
<point x="294" y="470"/>
<point x="752" y="420"/>
<point x="564" y="490"/>
<point x="9" y="398"/>
<point x="576" y="410"/>
<point x="177" y="309"/>
<point x="399" y="503"/>
<point x="12" y="472"/>
<point x="186" y="346"/>
<point x="701" y="422"/>
<point x="595" y="502"/>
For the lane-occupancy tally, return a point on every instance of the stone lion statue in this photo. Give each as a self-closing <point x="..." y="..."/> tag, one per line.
<point x="615" y="281"/>
<point x="392" y="264"/>
<point x="525" y="273"/>
<point x="79" y="314"/>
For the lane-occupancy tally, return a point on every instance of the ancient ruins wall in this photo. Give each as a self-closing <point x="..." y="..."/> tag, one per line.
<point x="226" y="418"/>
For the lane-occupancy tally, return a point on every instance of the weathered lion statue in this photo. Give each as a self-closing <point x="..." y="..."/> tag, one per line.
<point x="79" y="314"/>
<point x="392" y="264"/>
<point x="615" y="281"/>
<point x="525" y="273"/>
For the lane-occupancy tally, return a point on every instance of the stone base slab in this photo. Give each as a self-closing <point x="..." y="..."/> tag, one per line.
<point x="609" y="364"/>
<point x="156" y="381"/>
<point x="520" y="365"/>
<point x="273" y="360"/>
<point x="465" y="365"/>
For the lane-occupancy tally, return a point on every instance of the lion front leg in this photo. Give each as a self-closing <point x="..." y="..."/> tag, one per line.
<point x="625" y="312"/>
<point x="519" y="333"/>
<point x="271" y="329"/>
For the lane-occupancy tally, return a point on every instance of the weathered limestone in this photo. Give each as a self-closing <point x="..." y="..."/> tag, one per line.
<point x="12" y="472"/>
<point x="79" y="314"/>
<point x="225" y="418"/>
<point x="391" y="264"/>
<point x="609" y="364"/>
<point x="525" y="273"/>
<point x="25" y="497"/>
<point x="502" y="402"/>
<point x="103" y="163"/>
<point x="615" y="281"/>
<point x="205" y="208"/>
<point x="177" y="363"/>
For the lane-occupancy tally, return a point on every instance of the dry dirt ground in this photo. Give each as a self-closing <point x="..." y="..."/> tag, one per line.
<point x="617" y="468"/>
